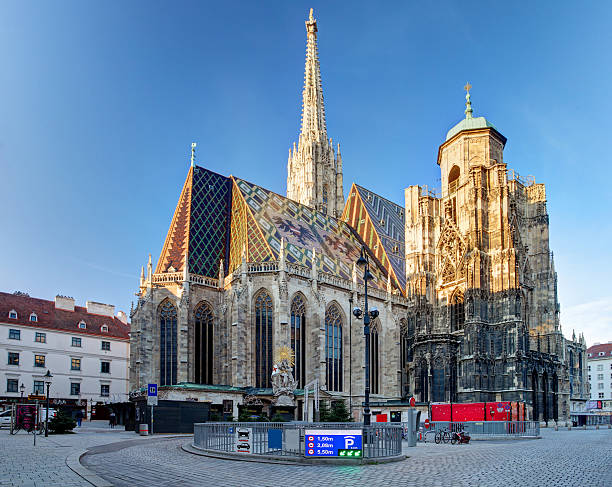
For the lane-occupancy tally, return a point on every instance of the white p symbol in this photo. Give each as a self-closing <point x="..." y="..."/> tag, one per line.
<point x="349" y="441"/>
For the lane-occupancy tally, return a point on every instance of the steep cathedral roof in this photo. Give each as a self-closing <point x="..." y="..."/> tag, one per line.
<point x="223" y="218"/>
<point x="380" y="223"/>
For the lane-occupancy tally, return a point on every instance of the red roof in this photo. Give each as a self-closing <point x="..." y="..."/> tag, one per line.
<point x="49" y="317"/>
<point x="606" y="348"/>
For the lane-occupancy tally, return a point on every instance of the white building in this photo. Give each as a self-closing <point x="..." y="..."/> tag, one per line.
<point x="599" y="367"/>
<point x="85" y="348"/>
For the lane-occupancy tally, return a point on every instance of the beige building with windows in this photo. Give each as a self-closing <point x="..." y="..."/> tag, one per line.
<point x="86" y="349"/>
<point x="464" y="281"/>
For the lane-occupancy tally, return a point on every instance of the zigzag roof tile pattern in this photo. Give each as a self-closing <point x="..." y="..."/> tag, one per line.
<point x="220" y="217"/>
<point x="199" y="230"/>
<point x="380" y="223"/>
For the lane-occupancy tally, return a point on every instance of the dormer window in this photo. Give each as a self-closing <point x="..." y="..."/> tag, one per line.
<point x="104" y="328"/>
<point x="601" y="354"/>
<point x="33" y="317"/>
<point x="396" y="249"/>
<point x="382" y="222"/>
<point x="82" y="325"/>
<point x="13" y="314"/>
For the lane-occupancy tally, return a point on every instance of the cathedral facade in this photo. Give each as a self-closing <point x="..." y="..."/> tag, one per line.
<point x="464" y="282"/>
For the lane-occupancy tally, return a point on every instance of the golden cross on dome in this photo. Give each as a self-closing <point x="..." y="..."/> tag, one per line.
<point x="467" y="87"/>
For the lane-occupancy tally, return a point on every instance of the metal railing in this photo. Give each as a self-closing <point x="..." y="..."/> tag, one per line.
<point x="490" y="429"/>
<point x="287" y="439"/>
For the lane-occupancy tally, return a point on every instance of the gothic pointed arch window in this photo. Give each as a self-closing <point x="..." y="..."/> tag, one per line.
<point x="167" y="343"/>
<point x="325" y="198"/>
<point x="457" y="311"/>
<point x="204" y="344"/>
<point x="298" y="338"/>
<point x="374" y="358"/>
<point x="333" y="348"/>
<point x="453" y="184"/>
<point x="263" y="339"/>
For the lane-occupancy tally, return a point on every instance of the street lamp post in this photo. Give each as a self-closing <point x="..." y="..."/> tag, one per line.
<point x="22" y="390"/>
<point x="368" y="315"/>
<point x="351" y="358"/>
<point x="48" y="377"/>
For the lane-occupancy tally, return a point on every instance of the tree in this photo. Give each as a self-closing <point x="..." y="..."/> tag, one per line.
<point x="61" y="423"/>
<point x="324" y="412"/>
<point x="339" y="413"/>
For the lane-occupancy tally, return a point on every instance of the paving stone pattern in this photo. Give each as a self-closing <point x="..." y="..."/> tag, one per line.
<point x="24" y="465"/>
<point x="560" y="458"/>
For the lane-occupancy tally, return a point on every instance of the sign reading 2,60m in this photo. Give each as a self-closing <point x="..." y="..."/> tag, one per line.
<point x="333" y="443"/>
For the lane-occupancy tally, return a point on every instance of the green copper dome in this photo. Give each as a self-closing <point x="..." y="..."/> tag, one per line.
<point x="469" y="124"/>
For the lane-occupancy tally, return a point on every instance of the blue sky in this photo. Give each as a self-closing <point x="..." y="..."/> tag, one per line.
<point x="100" y="101"/>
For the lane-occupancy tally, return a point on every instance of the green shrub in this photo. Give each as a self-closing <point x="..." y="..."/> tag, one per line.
<point x="62" y="423"/>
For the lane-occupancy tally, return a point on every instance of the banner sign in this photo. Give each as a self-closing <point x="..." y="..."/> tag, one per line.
<point x="333" y="443"/>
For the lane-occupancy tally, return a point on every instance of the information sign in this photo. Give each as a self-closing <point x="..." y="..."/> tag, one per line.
<point x="244" y="440"/>
<point x="152" y="395"/>
<point x="333" y="443"/>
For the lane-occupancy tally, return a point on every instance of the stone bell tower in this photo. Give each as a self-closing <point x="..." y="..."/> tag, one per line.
<point x="314" y="170"/>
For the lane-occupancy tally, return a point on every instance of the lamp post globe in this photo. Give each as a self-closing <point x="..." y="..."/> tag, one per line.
<point x="22" y="390"/>
<point x="48" y="377"/>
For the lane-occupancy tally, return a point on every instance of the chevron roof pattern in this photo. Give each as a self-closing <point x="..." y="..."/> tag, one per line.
<point x="380" y="223"/>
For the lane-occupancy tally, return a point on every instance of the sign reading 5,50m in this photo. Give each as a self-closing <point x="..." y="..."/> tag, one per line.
<point x="332" y="443"/>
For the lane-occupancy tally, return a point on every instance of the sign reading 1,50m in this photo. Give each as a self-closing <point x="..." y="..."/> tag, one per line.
<point x="333" y="443"/>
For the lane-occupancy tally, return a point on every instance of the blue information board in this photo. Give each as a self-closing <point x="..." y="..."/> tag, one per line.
<point x="152" y="390"/>
<point x="333" y="443"/>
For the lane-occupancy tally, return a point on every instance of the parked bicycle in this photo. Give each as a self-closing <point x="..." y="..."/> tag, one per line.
<point x="443" y="436"/>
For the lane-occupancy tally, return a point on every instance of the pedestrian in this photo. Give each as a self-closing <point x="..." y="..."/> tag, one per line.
<point x="112" y="419"/>
<point x="79" y="417"/>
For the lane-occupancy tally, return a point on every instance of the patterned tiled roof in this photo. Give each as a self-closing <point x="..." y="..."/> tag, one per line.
<point x="221" y="218"/>
<point x="380" y="223"/>
<point x="50" y="318"/>
<point x="336" y="244"/>
<point x="200" y="224"/>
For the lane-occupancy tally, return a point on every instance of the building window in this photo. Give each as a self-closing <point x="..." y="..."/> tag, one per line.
<point x="104" y="390"/>
<point x="374" y="369"/>
<point x="457" y="312"/>
<point x="39" y="387"/>
<point x="600" y="385"/>
<point x="333" y="348"/>
<point x="40" y="337"/>
<point x="601" y="354"/>
<point x="601" y="395"/>
<point x="75" y="388"/>
<point x="14" y="334"/>
<point x="298" y="338"/>
<point x="204" y="344"/>
<point x="599" y="367"/>
<point x="599" y="376"/>
<point x="13" y="358"/>
<point x="263" y="339"/>
<point x="167" y="343"/>
<point x="82" y="325"/>
<point x="12" y="385"/>
<point x="588" y="367"/>
<point x="39" y="360"/>
<point x="104" y="329"/>
<point x="12" y="314"/>
<point x="76" y="342"/>
<point x="105" y="367"/>
<point x="106" y="346"/>
<point x="33" y="317"/>
<point x="75" y="364"/>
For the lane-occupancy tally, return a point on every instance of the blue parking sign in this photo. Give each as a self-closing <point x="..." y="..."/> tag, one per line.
<point x="152" y="390"/>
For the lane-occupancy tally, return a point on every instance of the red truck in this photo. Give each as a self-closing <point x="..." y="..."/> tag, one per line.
<point x="478" y="411"/>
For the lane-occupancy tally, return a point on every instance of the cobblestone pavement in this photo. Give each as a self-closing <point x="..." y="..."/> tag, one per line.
<point x="560" y="458"/>
<point x="23" y="464"/>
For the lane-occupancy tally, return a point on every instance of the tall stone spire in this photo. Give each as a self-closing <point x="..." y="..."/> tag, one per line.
<point x="314" y="171"/>
<point x="313" y="108"/>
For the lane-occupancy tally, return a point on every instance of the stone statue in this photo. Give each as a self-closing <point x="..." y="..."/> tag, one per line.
<point x="283" y="383"/>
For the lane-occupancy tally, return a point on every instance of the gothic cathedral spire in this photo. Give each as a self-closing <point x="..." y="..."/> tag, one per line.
<point x="314" y="170"/>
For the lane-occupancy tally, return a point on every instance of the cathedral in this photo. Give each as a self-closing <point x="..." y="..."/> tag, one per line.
<point x="463" y="279"/>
